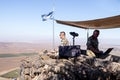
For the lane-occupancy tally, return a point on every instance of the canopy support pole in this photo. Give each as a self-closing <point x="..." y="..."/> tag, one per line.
<point x="87" y="38"/>
<point x="87" y="34"/>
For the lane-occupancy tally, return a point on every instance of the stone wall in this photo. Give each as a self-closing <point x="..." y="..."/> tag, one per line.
<point x="47" y="66"/>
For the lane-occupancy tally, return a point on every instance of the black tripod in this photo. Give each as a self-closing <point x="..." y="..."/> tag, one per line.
<point x="74" y="35"/>
<point x="73" y="40"/>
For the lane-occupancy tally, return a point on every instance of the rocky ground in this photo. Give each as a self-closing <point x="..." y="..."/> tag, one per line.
<point x="47" y="66"/>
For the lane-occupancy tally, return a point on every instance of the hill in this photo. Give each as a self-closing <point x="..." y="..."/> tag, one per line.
<point x="21" y="47"/>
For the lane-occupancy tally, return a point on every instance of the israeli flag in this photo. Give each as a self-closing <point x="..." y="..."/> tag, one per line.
<point x="47" y="16"/>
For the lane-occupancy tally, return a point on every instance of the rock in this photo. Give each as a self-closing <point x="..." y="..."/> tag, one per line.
<point x="27" y="71"/>
<point x="114" y="67"/>
<point x="45" y="67"/>
<point x="45" y="57"/>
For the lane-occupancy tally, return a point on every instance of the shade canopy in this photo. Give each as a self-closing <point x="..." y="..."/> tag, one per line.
<point x="103" y="23"/>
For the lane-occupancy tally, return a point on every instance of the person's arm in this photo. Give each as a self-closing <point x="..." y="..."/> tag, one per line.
<point x="93" y="49"/>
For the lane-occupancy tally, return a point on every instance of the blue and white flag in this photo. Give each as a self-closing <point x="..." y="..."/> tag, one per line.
<point x="47" y="16"/>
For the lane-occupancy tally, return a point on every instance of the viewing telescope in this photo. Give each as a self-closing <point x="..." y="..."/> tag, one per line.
<point x="74" y="34"/>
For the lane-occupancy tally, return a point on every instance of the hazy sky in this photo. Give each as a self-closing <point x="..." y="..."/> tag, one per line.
<point x="20" y="20"/>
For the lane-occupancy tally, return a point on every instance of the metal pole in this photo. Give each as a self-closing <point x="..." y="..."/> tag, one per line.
<point x="53" y="35"/>
<point x="73" y="40"/>
<point x="87" y="37"/>
<point x="53" y="25"/>
<point x="87" y="34"/>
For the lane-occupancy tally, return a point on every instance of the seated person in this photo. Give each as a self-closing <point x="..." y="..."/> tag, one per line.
<point x="64" y="41"/>
<point x="65" y="50"/>
<point x="92" y="44"/>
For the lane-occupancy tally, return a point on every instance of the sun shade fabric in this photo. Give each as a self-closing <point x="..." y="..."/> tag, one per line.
<point x="103" y="23"/>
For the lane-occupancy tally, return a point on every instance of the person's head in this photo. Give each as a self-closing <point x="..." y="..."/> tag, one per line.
<point x="62" y="35"/>
<point x="96" y="33"/>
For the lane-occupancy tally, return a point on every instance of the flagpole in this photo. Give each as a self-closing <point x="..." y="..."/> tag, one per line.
<point x="53" y="26"/>
<point x="53" y="33"/>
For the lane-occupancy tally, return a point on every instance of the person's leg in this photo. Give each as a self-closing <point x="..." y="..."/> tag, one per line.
<point x="108" y="51"/>
<point x="83" y="52"/>
<point x="100" y="54"/>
